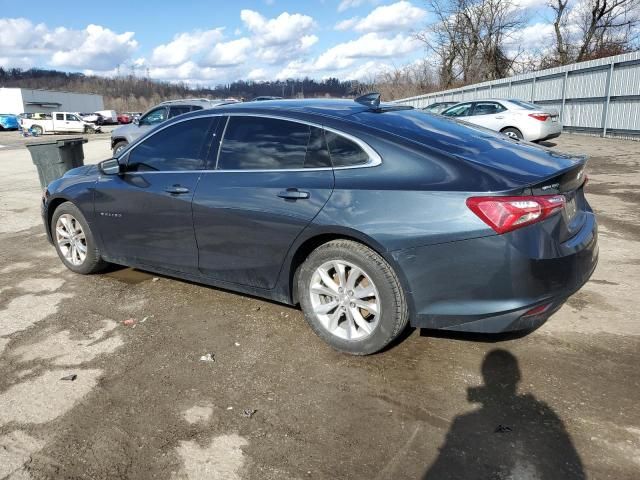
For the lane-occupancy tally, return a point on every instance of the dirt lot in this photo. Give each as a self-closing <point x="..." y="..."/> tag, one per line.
<point x="561" y="402"/>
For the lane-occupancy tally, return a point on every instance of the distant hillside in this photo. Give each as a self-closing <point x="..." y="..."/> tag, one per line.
<point x="130" y="93"/>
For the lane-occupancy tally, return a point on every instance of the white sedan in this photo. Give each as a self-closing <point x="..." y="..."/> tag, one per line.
<point x="514" y="118"/>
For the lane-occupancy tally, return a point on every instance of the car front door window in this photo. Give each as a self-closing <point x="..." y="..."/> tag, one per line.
<point x="176" y="148"/>
<point x="154" y="117"/>
<point x="462" y="110"/>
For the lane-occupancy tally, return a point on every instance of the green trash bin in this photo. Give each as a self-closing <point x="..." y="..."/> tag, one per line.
<point x="53" y="158"/>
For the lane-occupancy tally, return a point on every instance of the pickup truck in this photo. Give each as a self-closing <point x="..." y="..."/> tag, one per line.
<point x="59" y="122"/>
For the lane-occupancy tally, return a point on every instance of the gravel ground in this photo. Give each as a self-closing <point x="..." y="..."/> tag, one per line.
<point x="276" y="402"/>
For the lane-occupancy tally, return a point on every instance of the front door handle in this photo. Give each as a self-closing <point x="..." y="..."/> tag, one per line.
<point x="293" y="194"/>
<point x="500" y="117"/>
<point x="176" y="189"/>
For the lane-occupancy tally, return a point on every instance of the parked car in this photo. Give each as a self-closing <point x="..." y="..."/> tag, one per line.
<point x="265" y="97"/>
<point x="124" y="118"/>
<point x="439" y="107"/>
<point x="515" y="118"/>
<point x="59" y="122"/>
<point x="110" y="117"/>
<point x="357" y="211"/>
<point x="123" y="136"/>
<point x="94" y="118"/>
<point x="9" y="121"/>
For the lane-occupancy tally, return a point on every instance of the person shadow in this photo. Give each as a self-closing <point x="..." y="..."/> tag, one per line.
<point x="511" y="436"/>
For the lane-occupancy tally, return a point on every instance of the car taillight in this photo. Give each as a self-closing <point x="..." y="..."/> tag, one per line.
<point x="543" y="117"/>
<point x="505" y="214"/>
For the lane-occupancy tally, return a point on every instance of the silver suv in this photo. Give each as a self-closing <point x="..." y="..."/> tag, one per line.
<point x="126" y="134"/>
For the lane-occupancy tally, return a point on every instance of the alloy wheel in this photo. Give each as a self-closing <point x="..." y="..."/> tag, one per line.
<point x="71" y="239"/>
<point x="345" y="300"/>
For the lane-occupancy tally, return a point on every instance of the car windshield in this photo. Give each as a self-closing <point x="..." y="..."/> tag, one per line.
<point x="525" y="105"/>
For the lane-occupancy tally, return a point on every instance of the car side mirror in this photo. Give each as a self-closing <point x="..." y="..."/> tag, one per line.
<point x="110" y="167"/>
<point x="136" y="121"/>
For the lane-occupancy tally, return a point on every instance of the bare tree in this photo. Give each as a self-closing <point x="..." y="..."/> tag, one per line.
<point x="593" y="29"/>
<point x="468" y="38"/>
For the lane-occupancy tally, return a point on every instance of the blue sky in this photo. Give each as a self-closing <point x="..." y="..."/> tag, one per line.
<point x="211" y="42"/>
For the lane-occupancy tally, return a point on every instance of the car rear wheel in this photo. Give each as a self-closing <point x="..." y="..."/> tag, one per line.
<point x="118" y="147"/>
<point x="513" y="133"/>
<point x="351" y="297"/>
<point x="37" y="130"/>
<point x="74" y="240"/>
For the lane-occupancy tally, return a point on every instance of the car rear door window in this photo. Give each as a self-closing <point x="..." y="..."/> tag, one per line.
<point x="175" y="148"/>
<point x="487" y="108"/>
<point x="59" y="116"/>
<point x="176" y="110"/>
<point x="344" y="152"/>
<point x="259" y="143"/>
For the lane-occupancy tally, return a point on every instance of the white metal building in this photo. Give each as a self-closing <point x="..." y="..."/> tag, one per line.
<point x="25" y="100"/>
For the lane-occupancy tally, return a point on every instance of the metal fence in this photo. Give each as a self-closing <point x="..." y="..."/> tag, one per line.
<point x="597" y="97"/>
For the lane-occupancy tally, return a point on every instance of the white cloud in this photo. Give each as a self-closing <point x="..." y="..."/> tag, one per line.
<point x="347" y="4"/>
<point x="184" y="46"/>
<point x="367" y="71"/>
<point x="397" y="16"/>
<point x="258" y="74"/>
<point x="95" y="47"/>
<point x="347" y="24"/>
<point x="228" y="54"/>
<point x="281" y="38"/>
<point x="370" y="45"/>
<point x="100" y="49"/>
<point x="348" y="54"/>
<point x="532" y="37"/>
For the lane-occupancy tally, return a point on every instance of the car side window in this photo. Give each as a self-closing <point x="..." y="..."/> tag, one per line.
<point x="59" y="116"/>
<point x="344" y="152"/>
<point x="154" y="117"/>
<point x="462" y="110"/>
<point x="196" y="107"/>
<point x="72" y="118"/>
<point x="488" y="108"/>
<point x="176" y="110"/>
<point x="317" y="152"/>
<point x="259" y="143"/>
<point x="175" y="148"/>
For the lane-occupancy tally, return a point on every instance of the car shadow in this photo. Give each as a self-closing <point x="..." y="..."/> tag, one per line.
<point x="547" y="144"/>
<point x="511" y="435"/>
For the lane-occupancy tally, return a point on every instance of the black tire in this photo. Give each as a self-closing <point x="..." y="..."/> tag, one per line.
<point x="394" y="314"/>
<point x="37" y="130"/>
<point x="511" y="131"/>
<point x="119" y="146"/>
<point x="93" y="261"/>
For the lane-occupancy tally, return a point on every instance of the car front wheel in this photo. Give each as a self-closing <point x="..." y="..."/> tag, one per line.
<point x="119" y="147"/>
<point x="351" y="297"/>
<point x="74" y="240"/>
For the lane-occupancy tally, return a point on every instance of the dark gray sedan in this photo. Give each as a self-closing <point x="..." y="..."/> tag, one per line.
<point x="369" y="216"/>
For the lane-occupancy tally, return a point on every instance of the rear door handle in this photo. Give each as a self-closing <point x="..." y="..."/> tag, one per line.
<point x="293" y="194"/>
<point x="500" y="117"/>
<point x="176" y="189"/>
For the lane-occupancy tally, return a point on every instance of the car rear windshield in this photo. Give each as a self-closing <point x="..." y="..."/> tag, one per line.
<point x="422" y="127"/>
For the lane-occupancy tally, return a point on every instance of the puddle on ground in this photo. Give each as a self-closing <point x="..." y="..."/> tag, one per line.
<point x="129" y="275"/>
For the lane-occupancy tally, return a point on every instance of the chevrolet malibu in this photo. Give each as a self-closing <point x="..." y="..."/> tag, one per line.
<point x="367" y="215"/>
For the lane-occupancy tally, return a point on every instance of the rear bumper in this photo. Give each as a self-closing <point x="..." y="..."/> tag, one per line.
<point x="488" y="284"/>
<point x="536" y="131"/>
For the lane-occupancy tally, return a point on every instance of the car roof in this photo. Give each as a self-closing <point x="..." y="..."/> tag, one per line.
<point x="336" y="108"/>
